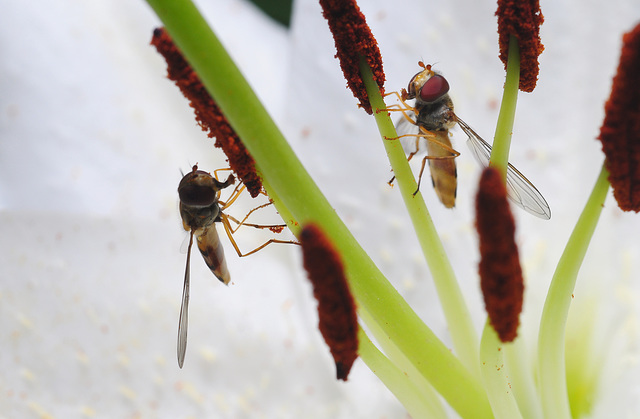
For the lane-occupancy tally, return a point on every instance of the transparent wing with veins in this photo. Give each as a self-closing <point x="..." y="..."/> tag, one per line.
<point x="412" y="143"/>
<point x="519" y="189"/>
<point x="184" y="308"/>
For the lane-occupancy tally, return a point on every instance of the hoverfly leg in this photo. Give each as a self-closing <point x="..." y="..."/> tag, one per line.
<point x="434" y="142"/>
<point x="224" y="169"/>
<point x="259" y="226"/>
<point x="424" y="161"/>
<point x="229" y="230"/>
<point x="413" y="153"/>
<point x="402" y="97"/>
<point x="417" y="149"/>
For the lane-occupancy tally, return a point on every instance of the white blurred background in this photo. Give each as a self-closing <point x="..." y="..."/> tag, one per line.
<point x="92" y="141"/>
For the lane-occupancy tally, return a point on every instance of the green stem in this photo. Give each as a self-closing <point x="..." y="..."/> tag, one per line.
<point x="418" y="402"/>
<point x="522" y="381"/>
<point x="496" y="376"/>
<point x="506" y="117"/>
<point x="551" y="363"/>
<point x="407" y="368"/>
<point x="378" y="300"/>
<point x="287" y="217"/>
<point x="463" y="334"/>
<point x="584" y="362"/>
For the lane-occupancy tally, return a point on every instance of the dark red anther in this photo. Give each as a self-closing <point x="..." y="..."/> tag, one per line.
<point x="522" y="19"/>
<point x="500" y="273"/>
<point x="338" y="321"/>
<point x="353" y="39"/>
<point x="620" y="132"/>
<point x="208" y="115"/>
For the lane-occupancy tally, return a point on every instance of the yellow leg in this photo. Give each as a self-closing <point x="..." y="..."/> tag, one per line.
<point x="227" y="228"/>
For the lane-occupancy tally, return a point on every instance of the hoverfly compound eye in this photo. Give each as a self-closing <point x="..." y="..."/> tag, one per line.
<point x="434" y="88"/>
<point x="197" y="195"/>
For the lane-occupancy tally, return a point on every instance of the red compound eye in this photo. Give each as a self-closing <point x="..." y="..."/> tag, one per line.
<point x="436" y="87"/>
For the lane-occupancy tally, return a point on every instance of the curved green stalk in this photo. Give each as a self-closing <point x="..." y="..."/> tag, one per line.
<point x="285" y="214"/>
<point x="584" y="361"/>
<point x="418" y="402"/>
<point x="506" y="117"/>
<point x="551" y="364"/>
<point x="496" y="376"/>
<point x="463" y="334"/>
<point x="408" y="369"/>
<point x="377" y="299"/>
<point x="521" y="378"/>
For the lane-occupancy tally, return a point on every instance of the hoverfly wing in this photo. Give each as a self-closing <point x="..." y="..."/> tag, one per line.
<point x="526" y="195"/>
<point x="519" y="189"/>
<point x="406" y="126"/>
<point x="184" y="308"/>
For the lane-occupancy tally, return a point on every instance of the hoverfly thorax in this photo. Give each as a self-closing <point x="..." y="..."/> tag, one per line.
<point x="199" y="193"/>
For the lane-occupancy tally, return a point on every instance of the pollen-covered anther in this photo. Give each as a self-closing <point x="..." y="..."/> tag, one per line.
<point x="353" y="39"/>
<point x="620" y="131"/>
<point x="338" y="321"/>
<point x="208" y="115"/>
<point x="522" y="19"/>
<point x="500" y="273"/>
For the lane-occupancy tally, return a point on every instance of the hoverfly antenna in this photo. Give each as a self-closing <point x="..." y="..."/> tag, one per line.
<point x="194" y="167"/>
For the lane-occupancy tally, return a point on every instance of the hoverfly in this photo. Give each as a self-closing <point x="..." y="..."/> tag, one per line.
<point x="431" y="118"/>
<point x="200" y="209"/>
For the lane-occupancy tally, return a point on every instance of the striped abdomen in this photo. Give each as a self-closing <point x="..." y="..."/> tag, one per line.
<point x="213" y="253"/>
<point x="443" y="171"/>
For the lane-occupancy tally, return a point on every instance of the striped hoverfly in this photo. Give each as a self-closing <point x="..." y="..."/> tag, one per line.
<point x="431" y="118"/>
<point x="200" y="209"/>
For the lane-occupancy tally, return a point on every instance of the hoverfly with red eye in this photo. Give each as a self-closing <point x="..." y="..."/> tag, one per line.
<point x="431" y="118"/>
<point x="200" y="209"/>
